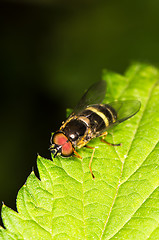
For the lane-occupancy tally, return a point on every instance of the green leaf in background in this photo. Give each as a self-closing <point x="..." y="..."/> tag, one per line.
<point x="123" y="200"/>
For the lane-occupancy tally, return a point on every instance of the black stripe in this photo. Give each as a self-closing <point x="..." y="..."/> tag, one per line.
<point x="108" y="111"/>
<point x="96" y="122"/>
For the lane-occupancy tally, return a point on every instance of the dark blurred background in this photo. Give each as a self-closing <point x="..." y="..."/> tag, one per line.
<point x="50" y="52"/>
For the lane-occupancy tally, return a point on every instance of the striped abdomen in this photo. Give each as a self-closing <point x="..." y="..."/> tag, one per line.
<point x="99" y="116"/>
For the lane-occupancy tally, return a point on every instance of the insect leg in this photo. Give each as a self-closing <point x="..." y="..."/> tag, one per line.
<point x="90" y="162"/>
<point x="76" y="154"/>
<point x="103" y="135"/>
<point x="111" y="144"/>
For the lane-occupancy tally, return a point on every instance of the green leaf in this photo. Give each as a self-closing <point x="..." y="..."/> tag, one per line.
<point x="122" y="202"/>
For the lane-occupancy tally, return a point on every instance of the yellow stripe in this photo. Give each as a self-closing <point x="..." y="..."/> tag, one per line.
<point x="111" y="114"/>
<point x="102" y="115"/>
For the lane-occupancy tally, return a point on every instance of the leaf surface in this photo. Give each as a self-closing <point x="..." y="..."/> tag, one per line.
<point x="122" y="202"/>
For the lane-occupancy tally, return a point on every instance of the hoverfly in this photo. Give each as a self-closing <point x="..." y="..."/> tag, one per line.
<point x="91" y="119"/>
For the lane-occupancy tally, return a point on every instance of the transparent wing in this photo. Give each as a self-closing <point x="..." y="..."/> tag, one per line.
<point x="94" y="95"/>
<point x="124" y="110"/>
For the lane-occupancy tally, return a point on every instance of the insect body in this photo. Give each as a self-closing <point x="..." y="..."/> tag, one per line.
<point x="90" y="119"/>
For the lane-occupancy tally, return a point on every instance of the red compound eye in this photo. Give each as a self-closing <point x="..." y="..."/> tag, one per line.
<point x="62" y="140"/>
<point x="59" y="138"/>
<point x="67" y="149"/>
